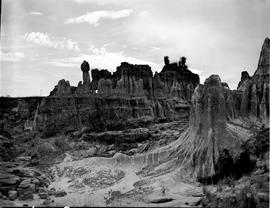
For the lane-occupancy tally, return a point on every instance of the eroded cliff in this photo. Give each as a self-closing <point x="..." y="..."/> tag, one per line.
<point x="129" y="97"/>
<point x="251" y="99"/>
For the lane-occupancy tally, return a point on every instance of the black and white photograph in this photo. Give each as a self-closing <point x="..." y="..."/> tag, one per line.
<point x="134" y="103"/>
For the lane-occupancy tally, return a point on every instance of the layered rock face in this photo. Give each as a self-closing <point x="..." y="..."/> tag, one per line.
<point x="131" y="96"/>
<point x="252" y="95"/>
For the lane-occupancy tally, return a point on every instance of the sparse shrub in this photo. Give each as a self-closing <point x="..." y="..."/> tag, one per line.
<point x="248" y="198"/>
<point x="206" y="192"/>
<point x="61" y="144"/>
<point x="49" y="130"/>
<point x="219" y="187"/>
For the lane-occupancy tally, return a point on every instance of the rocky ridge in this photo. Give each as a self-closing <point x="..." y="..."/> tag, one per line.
<point x="129" y="97"/>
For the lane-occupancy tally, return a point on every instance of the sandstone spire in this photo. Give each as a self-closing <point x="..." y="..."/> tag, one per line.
<point x="85" y="69"/>
<point x="264" y="61"/>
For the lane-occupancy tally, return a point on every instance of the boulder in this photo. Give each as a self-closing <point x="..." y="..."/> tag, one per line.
<point x="60" y="193"/>
<point x="36" y="182"/>
<point x="43" y="195"/>
<point x="23" y="171"/>
<point x="101" y="150"/>
<point x="46" y="148"/>
<point x="8" y="179"/>
<point x="91" y="152"/>
<point x="47" y="202"/>
<point x="26" y="183"/>
<point x="26" y="195"/>
<point x="51" y="191"/>
<point x="4" y="197"/>
<point x="5" y="189"/>
<point x="12" y="195"/>
<point x="111" y="153"/>
<point x="159" y="200"/>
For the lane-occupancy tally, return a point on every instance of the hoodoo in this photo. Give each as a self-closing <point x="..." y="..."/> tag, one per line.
<point x="209" y="134"/>
<point x="85" y="69"/>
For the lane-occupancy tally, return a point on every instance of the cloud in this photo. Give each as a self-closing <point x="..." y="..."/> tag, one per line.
<point x="11" y="56"/>
<point x="35" y="13"/>
<point x="47" y="40"/>
<point x="155" y="48"/>
<point x="101" y="58"/>
<point x="99" y="2"/>
<point x="63" y="63"/>
<point x="144" y="14"/>
<point x="93" y="18"/>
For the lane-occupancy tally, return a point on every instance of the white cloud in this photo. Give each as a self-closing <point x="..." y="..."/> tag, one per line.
<point x="93" y="18"/>
<point x="63" y="63"/>
<point x="99" y="2"/>
<point x="155" y="48"/>
<point x="144" y="14"/>
<point x="101" y="58"/>
<point x="85" y="1"/>
<point x="47" y="40"/>
<point x="35" y="13"/>
<point x="11" y="56"/>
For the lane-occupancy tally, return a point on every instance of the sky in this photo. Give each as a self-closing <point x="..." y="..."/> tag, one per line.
<point x="46" y="40"/>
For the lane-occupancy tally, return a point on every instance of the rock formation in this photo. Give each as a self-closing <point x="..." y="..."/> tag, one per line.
<point x="252" y="95"/>
<point x="85" y="69"/>
<point x="213" y="140"/>
<point x="244" y="79"/>
<point x="132" y="96"/>
<point x="176" y="80"/>
<point x="208" y="134"/>
<point x="129" y="96"/>
<point x="96" y="117"/>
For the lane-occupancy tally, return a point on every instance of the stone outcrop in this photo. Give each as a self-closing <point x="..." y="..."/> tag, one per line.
<point x="210" y="143"/>
<point x="252" y="95"/>
<point x="245" y="78"/>
<point x="129" y="97"/>
<point x="208" y="121"/>
<point x="63" y="88"/>
<point x="214" y="145"/>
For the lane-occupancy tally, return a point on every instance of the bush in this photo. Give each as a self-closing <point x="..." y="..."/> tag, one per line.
<point x="61" y="144"/>
<point x="248" y="198"/>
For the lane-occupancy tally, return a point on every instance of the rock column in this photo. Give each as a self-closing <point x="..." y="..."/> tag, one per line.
<point x="85" y="69"/>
